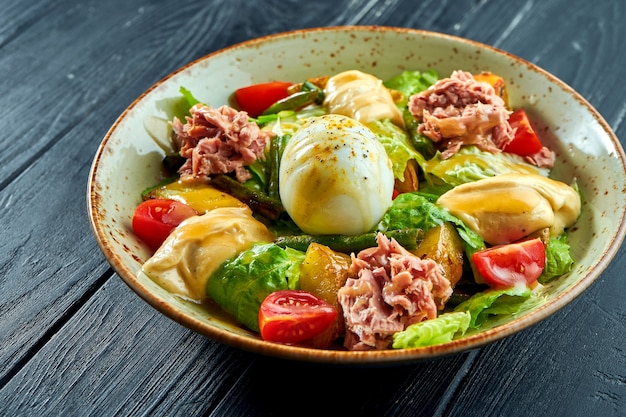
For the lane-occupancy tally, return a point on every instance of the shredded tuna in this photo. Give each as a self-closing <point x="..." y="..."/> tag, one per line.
<point x="460" y="111"/>
<point x="218" y="141"/>
<point x="393" y="290"/>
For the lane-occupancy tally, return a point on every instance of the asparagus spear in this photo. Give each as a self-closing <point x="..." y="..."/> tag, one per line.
<point x="408" y="238"/>
<point x="260" y="203"/>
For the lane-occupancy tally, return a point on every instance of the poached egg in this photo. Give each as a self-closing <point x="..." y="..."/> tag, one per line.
<point x="335" y="177"/>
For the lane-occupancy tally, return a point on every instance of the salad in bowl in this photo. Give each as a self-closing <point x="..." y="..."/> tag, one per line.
<point x="307" y="212"/>
<point x="353" y="211"/>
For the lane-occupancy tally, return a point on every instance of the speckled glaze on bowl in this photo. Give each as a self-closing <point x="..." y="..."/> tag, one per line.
<point x="128" y="161"/>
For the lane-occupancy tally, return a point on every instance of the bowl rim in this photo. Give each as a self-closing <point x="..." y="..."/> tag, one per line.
<point x="375" y="357"/>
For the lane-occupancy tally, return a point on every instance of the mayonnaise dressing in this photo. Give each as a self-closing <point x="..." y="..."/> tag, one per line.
<point x="506" y="208"/>
<point x="362" y="97"/>
<point x="197" y="247"/>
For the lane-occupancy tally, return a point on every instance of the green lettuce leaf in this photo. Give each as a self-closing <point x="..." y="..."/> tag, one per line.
<point x="432" y="332"/>
<point x="558" y="259"/>
<point x="397" y="145"/>
<point x="494" y="302"/>
<point x="411" y="82"/>
<point x="472" y="164"/>
<point x="287" y="122"/>
<point x="418" y="210"/>
<point x="188" y="96"/>
<point x="179" y="107"/>
<point x="241" y="283"/>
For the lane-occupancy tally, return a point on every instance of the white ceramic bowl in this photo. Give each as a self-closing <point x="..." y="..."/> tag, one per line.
<point x="128" y="161"/>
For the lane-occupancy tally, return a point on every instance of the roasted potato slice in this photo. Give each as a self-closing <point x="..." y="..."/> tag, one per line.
<point x="323" y="273"/>
<point x="444" y="245"/>
<point x="198" y="195"/>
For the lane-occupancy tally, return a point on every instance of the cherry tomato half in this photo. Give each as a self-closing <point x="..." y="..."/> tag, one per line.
<point x="292" y="316"/>
<point x="526" y="141"/>
<point x="511" y="264"/>
<point x="256" y="98"/>
<point x="155" y="219"/>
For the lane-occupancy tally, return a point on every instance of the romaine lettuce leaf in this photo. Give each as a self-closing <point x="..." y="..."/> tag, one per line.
<point x="418" y="210"/>
<point x="179" y="107"/>
<point x="558" y="259"/>
<point x="411" y="82"/>
<point x="287" y="122"/>
<point x="472" y="164"/>
<point x="241" y="283"/>
<point x="432" y="332"/>
<point x="397" y="145"/>
<point x="494" y="302"/>
<point x="189" y="97"/>
<point x="469" y="315"/>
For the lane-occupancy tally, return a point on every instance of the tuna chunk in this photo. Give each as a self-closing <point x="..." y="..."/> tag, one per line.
<point x="218" y="141"/>
<point x="459" y="111"/>
<point x="394" y="289"/>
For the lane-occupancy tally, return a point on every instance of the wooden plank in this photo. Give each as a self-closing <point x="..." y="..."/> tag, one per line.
<point x="574" y="363"/>
<point x="117" y="356"/>
<point x="48" y="255"/>
<point x="279" y="388"/>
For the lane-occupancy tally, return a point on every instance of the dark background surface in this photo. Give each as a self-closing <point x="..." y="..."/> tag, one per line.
<point x="75" y="340"/>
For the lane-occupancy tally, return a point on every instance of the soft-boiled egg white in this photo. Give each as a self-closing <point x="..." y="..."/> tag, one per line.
<point x="335" y="177"/>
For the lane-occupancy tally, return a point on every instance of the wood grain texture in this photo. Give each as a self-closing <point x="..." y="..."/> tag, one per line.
<point x="84" y="366"/>
<point x="74" y="340"/>
<point x="47" y="269"/>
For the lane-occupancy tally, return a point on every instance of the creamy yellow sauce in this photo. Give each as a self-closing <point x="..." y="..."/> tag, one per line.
<point x="196" y="248"/>
<point x="198" y="195"/>
<point x="362" y="97"/>
<point x="509" y="207"/>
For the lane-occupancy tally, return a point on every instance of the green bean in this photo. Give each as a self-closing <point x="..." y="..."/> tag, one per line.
<point x="309" y="94"/>
<point x="260" y="203"/>
<point x="408" y="238"/>
<point x="150" y="192"/>
<point x="277" y="146"/>
<point x="293" y="102"/>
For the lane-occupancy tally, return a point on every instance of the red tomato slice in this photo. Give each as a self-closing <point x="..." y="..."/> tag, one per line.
<point x="512" y="264"/>
<point x="155" y="219"/>
<point x="256" y="98"/>
<point x="526" y="141"/>
<point x="292" y="316"/>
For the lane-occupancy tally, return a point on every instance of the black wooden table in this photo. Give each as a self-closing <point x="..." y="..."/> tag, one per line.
<point x="76" y="341"/>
